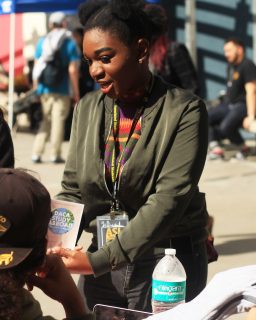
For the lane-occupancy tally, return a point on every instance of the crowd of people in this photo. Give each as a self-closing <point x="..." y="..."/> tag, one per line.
<point x="137" y="150"/>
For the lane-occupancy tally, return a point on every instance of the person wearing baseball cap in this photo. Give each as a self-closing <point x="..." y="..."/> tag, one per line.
<point x="55" y="78"/>
<point x="57" y="19"/>
<point x="25" y="211"/>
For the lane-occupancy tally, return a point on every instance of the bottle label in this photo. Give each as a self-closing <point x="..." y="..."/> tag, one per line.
<point x="168" y="291"/>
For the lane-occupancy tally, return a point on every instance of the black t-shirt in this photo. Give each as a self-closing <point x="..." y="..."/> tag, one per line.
<point x="238" y="76"/>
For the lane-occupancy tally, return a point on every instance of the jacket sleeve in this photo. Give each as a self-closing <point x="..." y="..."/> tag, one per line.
<point x="70" y="188"/>
<point x="176" y="185"/>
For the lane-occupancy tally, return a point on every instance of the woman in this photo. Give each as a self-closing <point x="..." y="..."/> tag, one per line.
<point x="137" y="146"/>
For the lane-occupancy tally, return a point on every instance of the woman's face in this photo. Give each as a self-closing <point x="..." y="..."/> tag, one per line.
<point x="114" y="66"/>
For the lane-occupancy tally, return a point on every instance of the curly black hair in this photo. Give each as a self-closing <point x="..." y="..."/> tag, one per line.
<point x="125" y="19"/>
<point x="158" y="16"/>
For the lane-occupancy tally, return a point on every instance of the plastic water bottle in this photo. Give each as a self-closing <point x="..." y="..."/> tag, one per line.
<point x="169" y="283"/>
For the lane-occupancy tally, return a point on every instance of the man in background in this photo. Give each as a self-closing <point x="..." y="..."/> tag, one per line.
<point x="239" y="105"/>
<point x="55" y="98"/>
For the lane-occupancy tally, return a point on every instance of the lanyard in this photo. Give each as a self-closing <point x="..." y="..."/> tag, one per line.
<point x="115" y="166"/>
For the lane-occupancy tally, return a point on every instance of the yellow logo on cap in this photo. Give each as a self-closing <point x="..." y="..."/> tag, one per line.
<point x="4" y="224"/>
<point x="6" y="258"/>
<point x="2" y="228"/>
<point x="2" y="220"/>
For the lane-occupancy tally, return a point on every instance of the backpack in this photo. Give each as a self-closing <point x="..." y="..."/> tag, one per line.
<point x="54" y="71"/>
<point x="179" y="68"/>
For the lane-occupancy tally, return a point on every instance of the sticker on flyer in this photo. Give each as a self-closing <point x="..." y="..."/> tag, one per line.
<point x="62" y="221"/>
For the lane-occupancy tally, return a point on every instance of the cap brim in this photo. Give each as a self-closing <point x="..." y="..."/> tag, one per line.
<point x="11" y="257"/>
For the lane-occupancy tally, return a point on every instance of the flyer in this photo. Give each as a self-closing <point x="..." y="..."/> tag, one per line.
<point x="64" y="223"/>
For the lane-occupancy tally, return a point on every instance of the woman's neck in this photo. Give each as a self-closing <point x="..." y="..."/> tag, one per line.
<point x="136" y="95"/>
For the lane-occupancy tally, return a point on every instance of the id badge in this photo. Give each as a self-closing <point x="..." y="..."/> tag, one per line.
<point x="110" y="225"/>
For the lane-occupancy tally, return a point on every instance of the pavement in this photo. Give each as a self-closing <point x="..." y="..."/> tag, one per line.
<point x="231" y="199"/>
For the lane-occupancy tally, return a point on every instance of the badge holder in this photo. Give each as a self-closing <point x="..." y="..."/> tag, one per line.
<point x="110" y="225"/>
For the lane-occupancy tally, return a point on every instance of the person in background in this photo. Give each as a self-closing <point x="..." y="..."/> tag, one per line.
<point x="55" y="99"/>
<point x="4" y="79"/>
<point x="137" y="151"/>
<point x="239" y="105"/>
<point x="169" y="59"/>
<point x="6" y="144"/>
<point x="86" y="83"/>
<point x="25" y="211"/>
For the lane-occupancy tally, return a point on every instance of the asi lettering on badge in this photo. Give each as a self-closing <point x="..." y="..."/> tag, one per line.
<point x="64" y="224"/>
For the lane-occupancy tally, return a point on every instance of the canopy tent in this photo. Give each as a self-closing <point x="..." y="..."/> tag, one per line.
<point x="21" y="6"/>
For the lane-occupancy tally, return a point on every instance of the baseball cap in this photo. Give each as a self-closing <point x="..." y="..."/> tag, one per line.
<point x="57" y="17"/>
<point x="25" y="211"/>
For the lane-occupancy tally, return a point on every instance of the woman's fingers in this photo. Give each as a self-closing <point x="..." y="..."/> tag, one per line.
<point x="63" y="251"/>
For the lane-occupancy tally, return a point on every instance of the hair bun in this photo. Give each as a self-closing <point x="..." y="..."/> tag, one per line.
<point x="89" y="8"/>
<point x="124" y="9"/>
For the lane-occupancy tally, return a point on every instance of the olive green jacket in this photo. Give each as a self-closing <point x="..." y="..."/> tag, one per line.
<point x="158" y="186"/>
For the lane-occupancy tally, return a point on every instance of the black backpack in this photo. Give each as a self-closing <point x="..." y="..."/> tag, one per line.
<point x="53" y="72"/>
<point x="179" y="68"/>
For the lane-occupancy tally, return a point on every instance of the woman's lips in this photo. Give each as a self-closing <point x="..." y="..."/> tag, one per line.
<point x="106" y="87"/>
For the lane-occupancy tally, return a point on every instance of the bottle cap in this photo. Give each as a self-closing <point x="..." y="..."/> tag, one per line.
<point x="170" y="251"/>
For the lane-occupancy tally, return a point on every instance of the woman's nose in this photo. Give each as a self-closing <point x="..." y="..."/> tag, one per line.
<point x="96" y="71"/>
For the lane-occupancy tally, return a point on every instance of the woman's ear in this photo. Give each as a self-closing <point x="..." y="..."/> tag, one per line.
<point x="143" y="50"/>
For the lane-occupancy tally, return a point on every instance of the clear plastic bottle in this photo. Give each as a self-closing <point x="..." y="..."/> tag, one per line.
<point x="168" y="283"/>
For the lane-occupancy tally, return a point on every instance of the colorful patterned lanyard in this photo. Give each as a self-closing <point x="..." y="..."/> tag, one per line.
<point x="115" y="167"/>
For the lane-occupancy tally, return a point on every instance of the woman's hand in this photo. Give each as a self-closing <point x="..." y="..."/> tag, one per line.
<point x="75" y="260"/>
<point x="52" y="276"/>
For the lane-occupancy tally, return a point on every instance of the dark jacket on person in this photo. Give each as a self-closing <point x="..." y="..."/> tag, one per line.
<point x="178" y="68"/>
<point x="158" y="186"/>
<point x="6" y="144"/>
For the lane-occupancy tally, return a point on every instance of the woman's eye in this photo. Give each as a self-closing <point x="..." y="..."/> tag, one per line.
<point x="105" y="59"/>
<point x="87" y="61"/>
